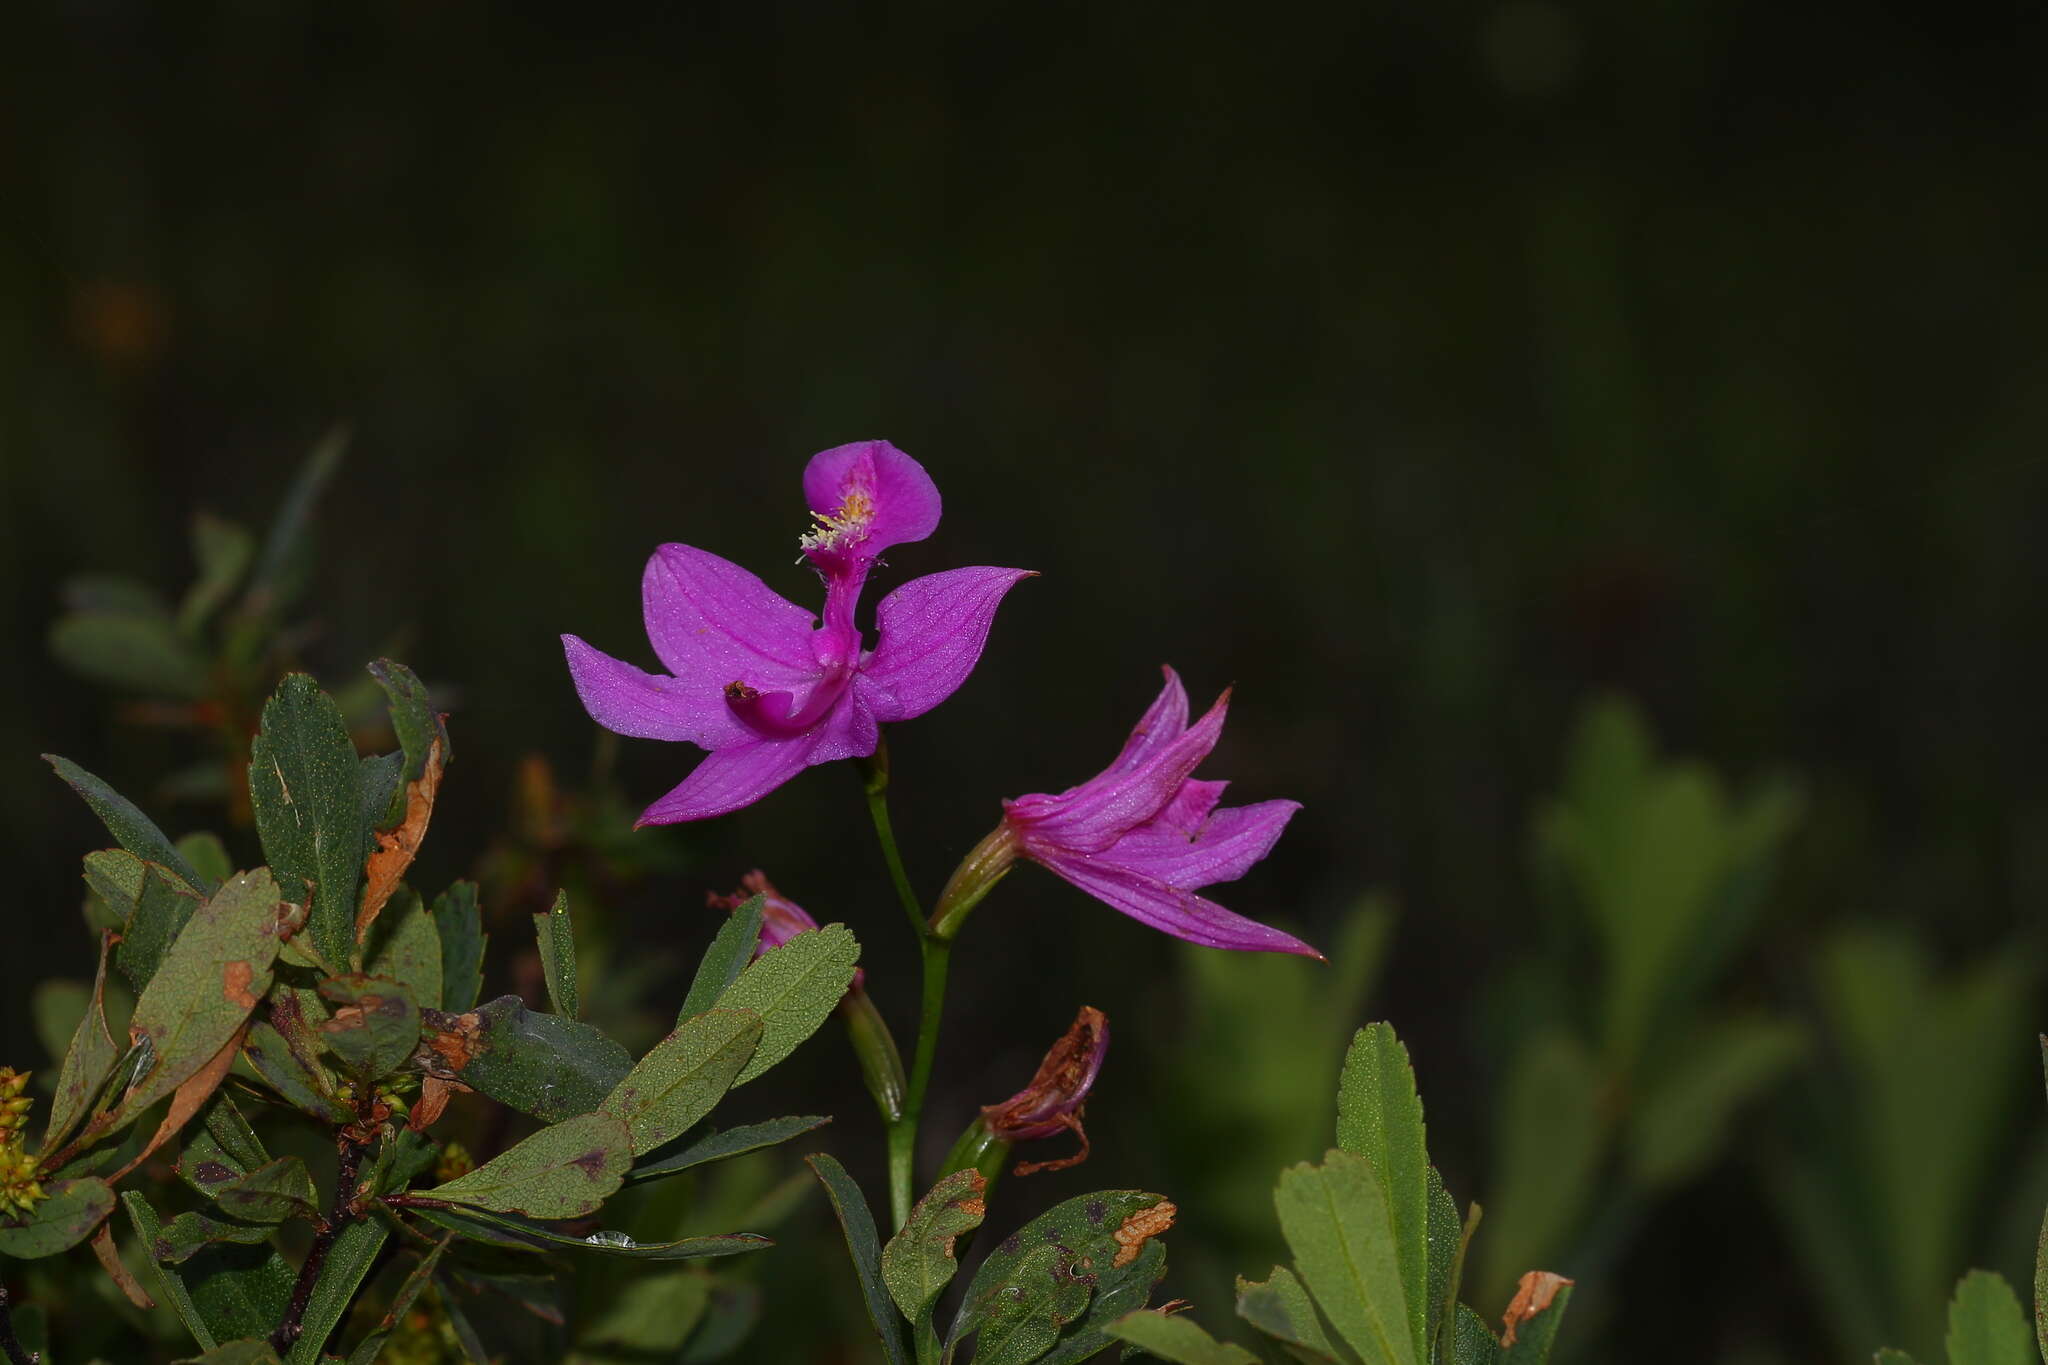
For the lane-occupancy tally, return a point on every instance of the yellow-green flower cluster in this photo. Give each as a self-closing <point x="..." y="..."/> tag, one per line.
<point x="19" y="1188"/>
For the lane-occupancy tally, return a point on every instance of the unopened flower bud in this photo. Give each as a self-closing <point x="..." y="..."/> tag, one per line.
<point x="782" y="919"/>
<point x="1058" y="1093"/>
<point x="454" y="1161"/>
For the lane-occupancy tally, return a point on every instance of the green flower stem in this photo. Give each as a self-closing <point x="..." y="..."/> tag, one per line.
<point x="874" y="774"/>
<point x="938" y="955"/>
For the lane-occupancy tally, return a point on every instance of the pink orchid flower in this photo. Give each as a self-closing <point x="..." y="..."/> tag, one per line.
<point x="1144" y="834"/>
<point x="782" y="919"/>
<point x="758" y="681"/>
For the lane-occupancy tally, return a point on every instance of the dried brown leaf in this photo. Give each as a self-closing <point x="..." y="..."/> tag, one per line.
<point x="1140" y="1228"/>
<point x="1532" y="1296"/>
<point x="110" y="1261"/>
<point x="188" y="1099"/>
<point x="396" y="848"/>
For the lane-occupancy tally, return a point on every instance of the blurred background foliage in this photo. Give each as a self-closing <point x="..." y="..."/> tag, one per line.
<point x="1440" y="376"/>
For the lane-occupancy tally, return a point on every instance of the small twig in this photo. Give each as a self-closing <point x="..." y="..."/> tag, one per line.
<point x="347" y="1160"/>
<point x="17" y="1354"/>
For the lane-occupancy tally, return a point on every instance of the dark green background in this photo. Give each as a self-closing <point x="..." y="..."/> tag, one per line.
<point x="1422" y="370"/>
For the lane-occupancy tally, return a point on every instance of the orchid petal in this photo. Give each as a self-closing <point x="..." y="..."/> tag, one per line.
<point x="731" y="778"/>
<point x="1164" y="721"/>
<point x="712" y="623"/>
<point x="877" y="494"/>
<point x="1190" y="807"/>
<point x="620" y="697"/>
<point x="1170" y="909"/>
<point x="1222" y="851"/>
<point x="1094" y="815"/>
<point x="930" y="635"/>
<point x="848" y="731"/>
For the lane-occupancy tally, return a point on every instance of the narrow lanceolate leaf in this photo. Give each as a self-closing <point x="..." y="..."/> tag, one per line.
<point x="1282" y="1309"/>
<point x="540" y="1064"/>
<point x="150" y="1229"/>
<point x="191" y="1233"/>
<point x="305" y="789"/>
<point x="1888" y="1356"/>
<point x="131" y="829"/>
<point x="793" y="989"/>
<point x="865" y="1249"/>
<point x="393" y="847"/>
<point x="206" y="986"/>
<point x="348" y="1263"/>
<point x="282" y="568"/>
<point x="1379" y="1117"/>
<point x="558" y="956"/>
<point x="136" y="651"/>
<point x="2041" y="1289"/>
<point x="1986" y="1325"/>
<point x="698" y="1148"/>
<point x="248" y="1351"/>
<point x="88" y="1062"/>
<point x="459" y="922"/>
<point x="1337" y="1224"/>
<point x="406" y="947"/>
<point x="66" y="1217"/>
<point x="154" y="903"/>
<point x="1472" y="1341"/>
<point x="1445" y="1243"/>
<point x="519" y="1234"/>
<point x="1023" y="1299"/>
<point x="223" y="550"/>
<point x="918" y="1262"/>
<point x="415" y="722"/>
<point x="683" y="1077"/>
<point x="372" y="1346"/>
<point x="1178" y="1340"/>
<point x="375" y="1026"/>
<point x="1530" y="1324"/>
<point x="563" y="1171"/>
<point x="731" y="949"/>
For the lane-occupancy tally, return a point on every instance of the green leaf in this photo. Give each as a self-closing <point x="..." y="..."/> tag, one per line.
<point x="1687" y="1103"/>
<point x="1337" y="1223"/>
<point x="1178" y="1340"/>
<point x="159" y="911"/>
<point x="1038" y="1281"/>
<point x="191" y="1233"/>
<point x="1472" y="1342"/>
<point x="459" y="923"/>
<point x="1548" y="1144"/>
<point x="131" y="651"/>
<point x="371" y="1347"/>
<point x="1379" y="1117"/>
<point x="286" y="560"/>
<point x="375" y="1027"/>
<point x="557" y="942"/>
<point x="1891" y="1357"/>
<point x="88" y="1062"/>
<point x="507" y="1230"/>
<point x="208" y="855"/>
<point x="417" y="725"/>
<point x="205" y="987"/>
<point x="918" y="1264"/>
<point x="866" y="1250"/>
<point x="131" y="829"/>
<point x="540" y="1064"/>
<point x="1986" y="1325"/>
<point x="348" y="1263"/>
<point x="1282" y="1309"/>
<point x="406" y="947"/>
<point x="64" y="1218"/>
<point x="683" y="1077"/>
<point x="305" y="787"/>
<point x="1534" y="1335"/>
<point x="248" y="1351"/>
<point x="793" y="988"/>
<point x="1446" y="1247"/>
<point x="298" y="1080"/>
<point x="654" y="1313"/>
<point x="563" y="1171"/>
<point x="150" y="1229"/>
<point x="111" y="592"/>
<point x="729" y="1319"/>
<point x="271" y="1193"/>
<point x="697" y="1148"/>
<point x="731" y="949"/>
<point x="2041" y="1285"/>
<point x="223" y="549"/>
<point x="1119" y="1290"/>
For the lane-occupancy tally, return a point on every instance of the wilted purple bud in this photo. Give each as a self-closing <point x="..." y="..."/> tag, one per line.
<point x="782" y="919"/>
<point x="1058" y="1093"/>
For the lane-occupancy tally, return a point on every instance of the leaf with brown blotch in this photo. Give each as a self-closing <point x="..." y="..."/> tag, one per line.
<point x="396" y="848"/>
<point x="110" y="1261"/>
<point x="188" y="1099"/>
<point x="1532" y="1296"/>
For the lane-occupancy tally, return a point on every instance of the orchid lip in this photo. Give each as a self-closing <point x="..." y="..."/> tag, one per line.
<point x="774" y="715"/>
